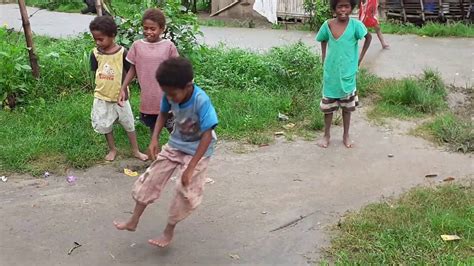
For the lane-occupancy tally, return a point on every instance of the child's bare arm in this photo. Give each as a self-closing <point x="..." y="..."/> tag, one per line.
<point x="206" y="139"/>
<point x="324" y="45"/>
<point x="128" y="78"/>
<point x="154" y="148"/>
<point x="368" y="39"/>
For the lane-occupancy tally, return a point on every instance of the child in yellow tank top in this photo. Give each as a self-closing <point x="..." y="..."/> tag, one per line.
<point x="109" y="64"/>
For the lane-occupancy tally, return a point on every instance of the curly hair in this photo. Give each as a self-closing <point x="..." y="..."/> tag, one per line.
<point x="175" y="72"/>
<point x="333" y="4"/>
<point x="155" y="15"/>
<point x="104" y="24"/>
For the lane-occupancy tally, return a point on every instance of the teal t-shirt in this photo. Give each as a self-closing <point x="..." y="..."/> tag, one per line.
<point x="342" y="58"/>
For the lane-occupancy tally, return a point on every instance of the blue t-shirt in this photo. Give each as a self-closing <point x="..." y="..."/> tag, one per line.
<point x="192" y="118"/>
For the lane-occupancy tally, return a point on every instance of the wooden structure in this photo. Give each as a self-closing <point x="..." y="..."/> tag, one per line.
<point x="420" y="11"/>
<point x="292" y="10"/>
<point x="287" y="10"/>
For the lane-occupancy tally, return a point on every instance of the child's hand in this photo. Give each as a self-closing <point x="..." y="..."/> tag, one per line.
<point x="187" y="176"/>
<point x="122" y="98"/>
<point x="153" y="149"/>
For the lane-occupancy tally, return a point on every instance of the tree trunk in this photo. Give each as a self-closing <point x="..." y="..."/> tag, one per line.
<point x="29" y="39"/>
<point x="98" y="7"/>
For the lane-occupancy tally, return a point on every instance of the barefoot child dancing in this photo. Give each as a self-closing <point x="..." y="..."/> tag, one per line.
<point x="341" y="61"/>
<point x="109" y="64"/>
<point x="189" y="148"/>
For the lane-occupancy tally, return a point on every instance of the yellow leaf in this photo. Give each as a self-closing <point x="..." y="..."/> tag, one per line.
<point x="130" y="172"/>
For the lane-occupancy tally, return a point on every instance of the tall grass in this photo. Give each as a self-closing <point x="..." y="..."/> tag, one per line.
<point x="454" y="131"/>
<point x="412" y="97"/>
<point x="430" y="29"/>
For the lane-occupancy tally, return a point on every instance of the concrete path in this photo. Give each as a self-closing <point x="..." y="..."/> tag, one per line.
<point x="409" y="54"/>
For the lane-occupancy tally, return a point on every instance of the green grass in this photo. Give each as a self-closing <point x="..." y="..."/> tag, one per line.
<point x="411" y="97"/>
<point x="430" y="29"/>
<point x="55" y="135"/>
<point x="407" y="231"/>
<point x="451" y="130"/>
<point x="71" y="6"/>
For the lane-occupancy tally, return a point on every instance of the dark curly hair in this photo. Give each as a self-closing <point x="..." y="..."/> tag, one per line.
<point x="104" y="24"/>
<point x="175" y="72"/>
<point x="155" y="15"/>
<point x="333" y="4"/>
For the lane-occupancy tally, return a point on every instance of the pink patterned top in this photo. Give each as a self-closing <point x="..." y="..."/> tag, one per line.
<point x="146" y="57"/>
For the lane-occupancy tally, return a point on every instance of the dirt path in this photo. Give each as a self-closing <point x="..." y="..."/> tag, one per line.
<point x="409" y="55"/>
<point x="254" y="193"/>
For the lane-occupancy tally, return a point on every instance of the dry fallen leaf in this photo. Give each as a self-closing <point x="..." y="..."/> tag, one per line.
<point x="289" y="126"/>
<point x="450" y="237"/>
<point x="279" y="133"/>
<point x="449" y="178"/>
<point x="130" y="172"/>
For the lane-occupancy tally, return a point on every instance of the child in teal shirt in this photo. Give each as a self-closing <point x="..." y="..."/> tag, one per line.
<point x="340" y="55"/>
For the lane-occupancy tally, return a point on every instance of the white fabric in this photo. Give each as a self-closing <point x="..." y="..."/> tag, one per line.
<point x="267" y="8"/>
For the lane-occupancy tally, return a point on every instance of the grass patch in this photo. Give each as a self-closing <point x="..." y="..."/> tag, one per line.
<point x="71" y="6"/>
<point x="411" y="97"/>
<point x="451" y="130"/>
<point x="430" y="29"/>
<point x="56" y="135"/>
<point x="407" y="230"/>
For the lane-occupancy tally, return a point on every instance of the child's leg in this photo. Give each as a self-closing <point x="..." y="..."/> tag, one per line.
<point x="346" y="120"/>
<point x="328" y="106"/>
<point x="103" y="117"/>
<point x="186" y="200"/>
<point x="125" y="118"/>
<point x="131" y="225"/>
<point x="380" y="36"/>
<point x="348" y="105"/>
<point x="148" y="186"/>
<point x="324" y="142"/>
<point x="112" y="149"/>
<point x="132" y="137"/>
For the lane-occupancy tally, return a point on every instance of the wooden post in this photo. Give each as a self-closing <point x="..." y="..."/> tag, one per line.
<point x="98" y="7"/>
<point x="29" y="39"/>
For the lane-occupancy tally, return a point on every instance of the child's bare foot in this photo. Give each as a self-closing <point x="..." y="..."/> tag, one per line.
<point x="129" y="226"/>
<point x="140" y="156"/>
<point x="347" y="142"/>
<point x="165" y="239"/>
<point x="385" y="46"/>
<point x="111" y="155"/>
<point x="324" y="142"/>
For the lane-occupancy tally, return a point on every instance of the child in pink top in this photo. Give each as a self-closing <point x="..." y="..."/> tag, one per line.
<point x="145" y="56"/>
<point x="368" y="15"/>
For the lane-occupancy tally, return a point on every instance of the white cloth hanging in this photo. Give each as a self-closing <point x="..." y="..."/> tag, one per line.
<point x="267" y="8"/>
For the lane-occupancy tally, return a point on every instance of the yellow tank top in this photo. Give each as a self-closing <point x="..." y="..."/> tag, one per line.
<point x="108" y="77"/>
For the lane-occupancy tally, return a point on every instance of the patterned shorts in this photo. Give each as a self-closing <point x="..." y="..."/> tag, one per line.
<point x="104" y="115"/>
<point x="348" y="103"/>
